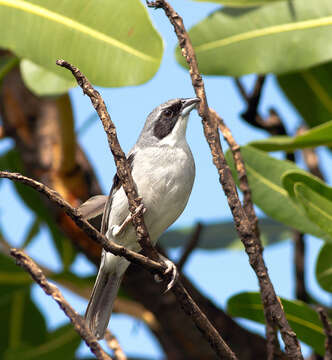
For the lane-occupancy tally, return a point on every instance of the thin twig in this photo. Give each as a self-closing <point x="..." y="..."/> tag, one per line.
<point x="122" y="165"/>
<point x="328" y="332"/>
<point x="243" y="226"/>
<point x="190" y="246"/>
<point x="272" y="123"/>
<point x="241" y="172"/>
<point x="299" y="261"/>
<point x="124" y="172"/>
<point x="114" y="345"/>
<point x="80" y="326"/>
<point x="310" y="157"/>
<point x="2" y="132"/>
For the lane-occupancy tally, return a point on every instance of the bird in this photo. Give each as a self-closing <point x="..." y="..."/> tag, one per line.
<point x="163" y="170"/>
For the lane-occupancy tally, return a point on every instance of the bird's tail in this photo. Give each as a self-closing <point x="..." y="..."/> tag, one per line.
<point x="101" y="302"/>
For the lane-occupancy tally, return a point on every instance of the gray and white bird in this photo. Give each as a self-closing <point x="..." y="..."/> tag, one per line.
<point x="163" y="169"/>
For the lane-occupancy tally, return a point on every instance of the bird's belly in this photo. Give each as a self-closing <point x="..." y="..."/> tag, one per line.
<point x="165" y="189"/>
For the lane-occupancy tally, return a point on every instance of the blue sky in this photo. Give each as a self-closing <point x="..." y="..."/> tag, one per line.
<point x="218" y="274"/>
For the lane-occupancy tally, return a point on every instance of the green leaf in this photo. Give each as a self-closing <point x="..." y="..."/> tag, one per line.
<point x="43" y="82"/>
<point x="317" y="136"/>
<point x="310" y="91"/>
<point x="264" y="176"/>
<point x="302" y="318"/>
<point x="6" y="64"/>
<point x="313" y="195"/>
<point x="22" y="325"/>
<point x="239" y="3"/>
<point x="324" y="267"/>
<point x="12" y="162"/>
<point x="59" y="344"/>
<point x="291" y="177"/>
<point x="224" y="235"/>
<point x="12" y="277"/>
<point x="318" y="208"/>
<point x="238" y="41"/>
<point x="32" y="232"/>
<point x="113" y="43"/>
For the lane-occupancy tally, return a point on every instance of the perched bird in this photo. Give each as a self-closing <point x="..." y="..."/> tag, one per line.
<point x="163" y="169"/>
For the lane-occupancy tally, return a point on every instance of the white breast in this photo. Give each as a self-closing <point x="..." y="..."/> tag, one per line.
<point x="164" y="177"/>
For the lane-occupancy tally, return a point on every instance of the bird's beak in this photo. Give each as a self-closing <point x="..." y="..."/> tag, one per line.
<point x="188" y="105"/>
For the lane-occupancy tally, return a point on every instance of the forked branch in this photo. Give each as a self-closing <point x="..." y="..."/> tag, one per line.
<point x="80" y="326"/>
<point x="274" y="313"/>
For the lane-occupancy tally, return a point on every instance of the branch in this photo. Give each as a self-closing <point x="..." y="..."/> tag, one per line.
<point x="114" y="345"/>
<point x="50" y="289"/>
<point x="328" y="332"/>
<point x="190" y="246"/>
<point x="273" y="123"/>
<point x="299" y="261"/>
<point x="245" y="229"/>
<point x="73" y="213"/>
<point x="122" y="165"/>
<point x="248" y="205"/>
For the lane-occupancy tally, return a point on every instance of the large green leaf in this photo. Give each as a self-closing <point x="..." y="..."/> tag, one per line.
<point x="317" y="136"/>
<point x="310" y="91"/>
<point x="22" y="325"/>
<point x="224" y="235"/>
<point x="264" y="176"/>
<point x="317" y="207"/>
<point x="43" y="82"/>
<point x="324" y="267"/>
<point x="313" y="195"/>
<point x="112" y="42"/>
<point x="291" y="177"/>
<point x="302" y="318"/>
<point x="274" y="38"/>
<point x="59" y="344"/>
<point x="245" y="3"/>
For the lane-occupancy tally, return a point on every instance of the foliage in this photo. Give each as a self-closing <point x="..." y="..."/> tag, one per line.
<point x="290" y="39"/>
<point x="102" y="27"/>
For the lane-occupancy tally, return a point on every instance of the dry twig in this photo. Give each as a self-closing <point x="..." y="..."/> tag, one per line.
<point x="190" y="246"/>
<point x="122" y="165"/>
<point x="114" y="345"/>
<point x="37" y="275"/>
<point x="328" y="332"/>
<point x="245" y="229"/>
<point x="109" y="246"/>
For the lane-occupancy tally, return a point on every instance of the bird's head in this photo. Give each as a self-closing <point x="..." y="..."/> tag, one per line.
<point x="167" y="123"/>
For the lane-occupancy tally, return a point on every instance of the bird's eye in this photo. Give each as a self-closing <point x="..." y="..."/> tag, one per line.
<point x="168" y="113"/>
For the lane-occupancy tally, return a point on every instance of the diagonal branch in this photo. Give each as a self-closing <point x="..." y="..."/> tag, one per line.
<point x="114" y="345"/>
<point x="73" y="213"/>
<point x="328" y="332"/>
<point x="273" y="308"/>
<point x="37" y="275"/>
<point x="122" y="165"/>
<point x="190" y="246"/>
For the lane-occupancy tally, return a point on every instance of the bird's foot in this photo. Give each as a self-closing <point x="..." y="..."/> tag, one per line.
<point x="118" y="229"/>
<point x="171" y="270"/>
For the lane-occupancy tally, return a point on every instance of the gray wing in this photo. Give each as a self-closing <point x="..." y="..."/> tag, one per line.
<point x="102" y="204"/>
<point x="115" y="187"/>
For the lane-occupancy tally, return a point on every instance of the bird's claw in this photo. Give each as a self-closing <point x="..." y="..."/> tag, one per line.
<point x="117" y="230"/>
<point x="170" y="269"/>
<point x="140" y="209"/>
